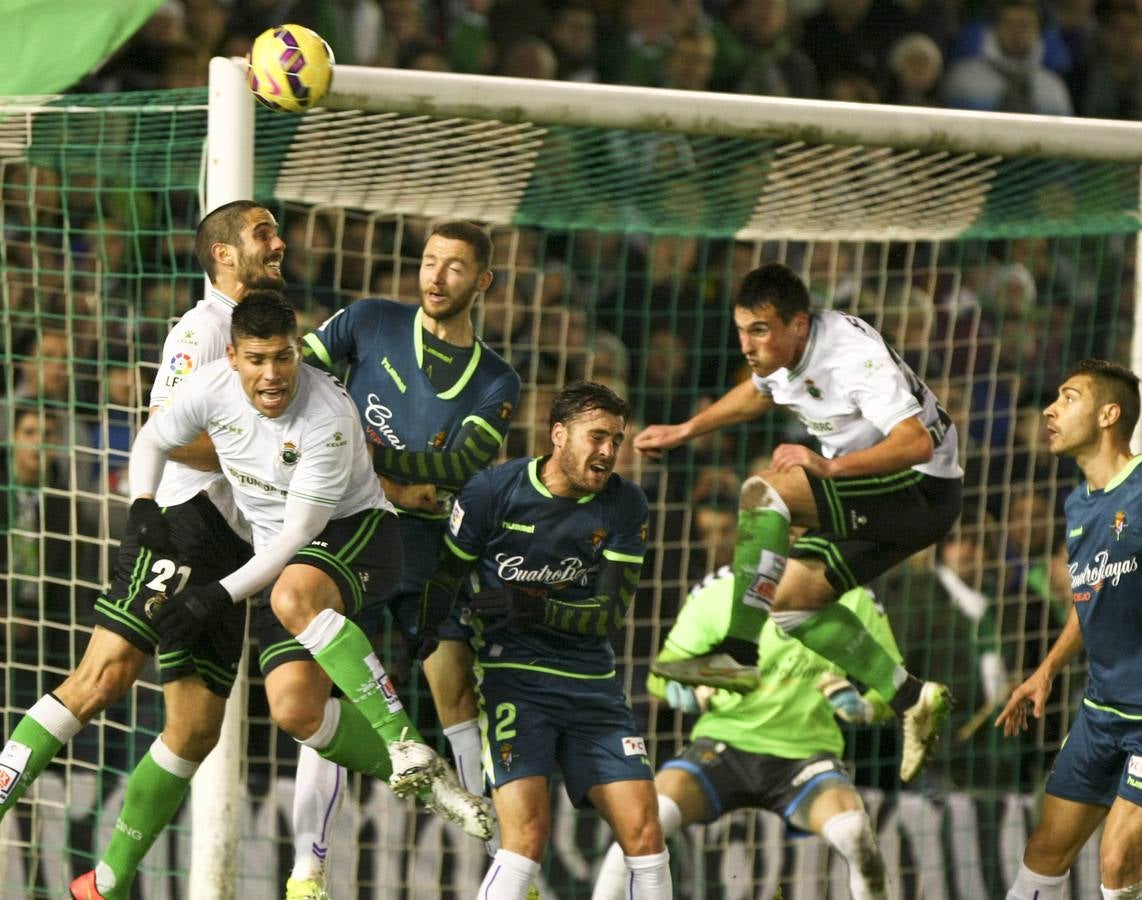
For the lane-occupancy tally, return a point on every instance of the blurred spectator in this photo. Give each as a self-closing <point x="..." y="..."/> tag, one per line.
<point x="354" y="29"/>
<point x="572" y="37"/>
<point x="851" y="87"/>
<point x="915" y="65"/>
<point x="635" y="52"/>
<point x="309" y="274"/>
<point x="690" y="62"/>
<point x="528" y="57"/>
<point x="1078" y="29"/>
<point x="758" y="55"/>
<point x="1113" y="88"/>
<point x="844" y="39"/>
<point x="42" y="376"/>
<point x="139" y="64"/>
<point x="38" y="517"/>
<point x="469" y="45"/>
<point x="1007" y="75"/>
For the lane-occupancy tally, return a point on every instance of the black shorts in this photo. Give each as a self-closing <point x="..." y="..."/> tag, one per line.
<point x="869" y="524"/>
<point x="736" y="779"/>
<point x="208" y="550"/>
<point x="363" y="555"/>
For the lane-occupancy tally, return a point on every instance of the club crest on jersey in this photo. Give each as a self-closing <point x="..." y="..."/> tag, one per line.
<point x="505" y="411"/>
<point x="438" y="440"/>
<point x="814" y="391"/>
<point x="507" y="756"/>
<point x="597" y="537"/>
<point x="1119" y="525"/>
<point x="290" y="454"/>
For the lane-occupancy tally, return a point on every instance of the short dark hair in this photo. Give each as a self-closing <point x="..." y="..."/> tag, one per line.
<point x="1112" y="384"/>
<point x="472" y="235"/>
<point x="777" y="285"/>
<point x="263" y="314"/>
<point x="581" y="397"/>
<point x="222" y="225"/>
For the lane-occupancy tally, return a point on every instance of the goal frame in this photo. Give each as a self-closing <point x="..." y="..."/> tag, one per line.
<point x="229" y="175"/>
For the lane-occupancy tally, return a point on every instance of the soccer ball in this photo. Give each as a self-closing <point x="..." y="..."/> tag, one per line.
<point x="289" y="68"/>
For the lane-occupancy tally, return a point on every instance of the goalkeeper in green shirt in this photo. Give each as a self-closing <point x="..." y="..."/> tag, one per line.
<point x="777" y="747"/>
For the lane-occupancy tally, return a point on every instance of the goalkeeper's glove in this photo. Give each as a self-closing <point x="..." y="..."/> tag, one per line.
<point x="682" y="698"/>
<point x="506" y="607"/>
<point x="151" y="527"/>
<point x="847" y="702"/>
<point x="187" y="614"/>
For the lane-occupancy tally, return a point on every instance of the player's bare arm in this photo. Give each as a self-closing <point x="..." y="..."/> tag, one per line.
<point x="908" y="444"/>
<point x="1031" y="695"/>
<point x="741" y="403"/>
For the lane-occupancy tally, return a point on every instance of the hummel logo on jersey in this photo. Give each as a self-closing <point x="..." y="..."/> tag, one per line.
<point x="1119" y="524"/>
<point x="1075" y="532"/>
<point x="388" y="367"/>
<point x="856" y="519"/>
<point x="516" y="526"/>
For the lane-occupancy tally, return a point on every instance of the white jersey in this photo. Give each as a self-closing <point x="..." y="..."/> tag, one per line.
<point x="850" y="389"/>
<point x="313" y="453"/>
<point x="199" y="337"/>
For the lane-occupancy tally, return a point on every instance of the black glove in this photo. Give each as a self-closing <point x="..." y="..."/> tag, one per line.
<point x="508" y="607"/>
<point x="150" y="525"/>
<point x="184" y="616"/>
<point x="435" y="608"/>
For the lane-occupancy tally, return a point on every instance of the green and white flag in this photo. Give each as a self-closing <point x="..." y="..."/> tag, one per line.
<point x="52" y="44"/>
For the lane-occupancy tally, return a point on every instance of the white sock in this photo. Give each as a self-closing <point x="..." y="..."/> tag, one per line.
<point x="318" y="791"/>
<point x="321" y="630"/>
<point x="508" y="877"/>
<point x="851" y="834"/>
<point x="650" y="876"/>
<point x="166" y="759"/>
<point x="614" y="878"/>
<point x="1132" y="892"/>
<point x="1032" y="886"/>
<point x="55" y="718"/>
<point x="464" y="739"/>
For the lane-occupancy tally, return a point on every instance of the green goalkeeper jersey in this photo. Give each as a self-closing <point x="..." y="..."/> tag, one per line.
<point x="787" y="715"/>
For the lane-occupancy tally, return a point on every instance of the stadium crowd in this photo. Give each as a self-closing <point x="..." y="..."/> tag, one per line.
<point x="1058" y="57"/>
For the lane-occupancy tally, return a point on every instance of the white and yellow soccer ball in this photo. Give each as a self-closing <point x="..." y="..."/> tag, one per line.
<point x="289" y="68"/>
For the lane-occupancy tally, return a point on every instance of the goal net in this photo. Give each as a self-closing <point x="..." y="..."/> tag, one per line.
<point x="991" y="251"/>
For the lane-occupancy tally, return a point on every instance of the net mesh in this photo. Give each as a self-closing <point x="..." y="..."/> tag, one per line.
<point x="616" y="255"/>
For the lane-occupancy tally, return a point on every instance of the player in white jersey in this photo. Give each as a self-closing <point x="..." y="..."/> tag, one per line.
<point x="886" y="484"/>
<point x="290" y="444"/>
<point x="238" y="247"/>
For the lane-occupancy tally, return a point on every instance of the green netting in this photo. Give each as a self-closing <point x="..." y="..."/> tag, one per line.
<point x="617" y="254"/>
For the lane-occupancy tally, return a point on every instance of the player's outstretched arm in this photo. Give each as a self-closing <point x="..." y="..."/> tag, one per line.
<point x="907" y="444"/>
<point x="741" y="403"/>
<point x="1031" y="696"/>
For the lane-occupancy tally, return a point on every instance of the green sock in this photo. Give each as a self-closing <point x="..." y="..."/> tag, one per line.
<point x="29" y="749"/>
<point x="357" y="746"/>
<point x="837" y="634"/>
<point x="153" y="797"/>
<point x="759" y="559"/>
<point x="348" y="659"/>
